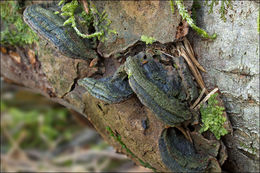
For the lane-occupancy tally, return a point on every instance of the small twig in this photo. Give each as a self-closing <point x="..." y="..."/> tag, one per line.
<point x="187" y="44"/>
<point x="193" y="68"/>
<point x="189" y="136"/>
<point x="191" y="54"/>
<point x="85" y="5"/>
<point x="184" y="132"/>
<point x="198" y="99"/>
<point x="167" y="54"/>
<point x="206" y="98"/>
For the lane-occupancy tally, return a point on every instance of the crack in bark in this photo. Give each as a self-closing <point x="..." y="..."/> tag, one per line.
<point x="75" y="81"/>
<point x="238" y="72"/>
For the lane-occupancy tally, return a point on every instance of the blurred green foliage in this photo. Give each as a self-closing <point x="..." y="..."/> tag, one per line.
<point x="42" y="127"/>
<point x="13" y="29"/>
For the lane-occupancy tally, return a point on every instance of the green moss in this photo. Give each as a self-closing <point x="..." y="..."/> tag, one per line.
<point x="129" y="75"/>
<point x="172" y="6"/>
<point x="100" y="21"/>
<point x="147" y="40"/>
<point x="14" y="31"/>
<point x="118" y="139"/>
<point x="225" y="4"/>
<point x="185" y="15"/>
<point x="212" y="118"/>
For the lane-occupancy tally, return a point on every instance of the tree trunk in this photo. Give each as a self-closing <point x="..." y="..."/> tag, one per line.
<point x="232" y="64"/>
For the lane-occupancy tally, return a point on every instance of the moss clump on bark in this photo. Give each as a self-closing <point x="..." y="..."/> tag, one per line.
<point x="185" y="15"/>
<point x="212" y="118"/>
<point x="93" y="17"/>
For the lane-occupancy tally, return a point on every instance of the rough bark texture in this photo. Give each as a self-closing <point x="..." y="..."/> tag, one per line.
<point x="232" y="64"/>
<point x="132" y="19"/>
<point x="51" y="78"/>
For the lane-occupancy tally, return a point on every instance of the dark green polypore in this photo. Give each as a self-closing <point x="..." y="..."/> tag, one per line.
<point x="179" y="155"/>
<point x="107" y="89"/>
<point x="150" y="83"/>
<point x="45" y="23"/>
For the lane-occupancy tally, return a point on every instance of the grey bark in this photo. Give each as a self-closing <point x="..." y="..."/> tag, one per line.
<point x="232" y="64"/>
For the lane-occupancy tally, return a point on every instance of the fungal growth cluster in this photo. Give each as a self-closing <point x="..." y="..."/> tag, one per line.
<point x="158" y="76"/>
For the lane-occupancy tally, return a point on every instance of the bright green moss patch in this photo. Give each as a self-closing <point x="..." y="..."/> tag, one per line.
<point x="13" y="29"/>
<point x="212" y="118"/>
<point x="68" y="10"/>
<point x="147" y="40"/>
<point x="100" y="22"/>
<point x="118" y="139"/>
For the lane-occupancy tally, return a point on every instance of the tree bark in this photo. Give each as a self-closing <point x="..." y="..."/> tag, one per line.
<point x="55" y="76"/>
<point x="230" y="65"/>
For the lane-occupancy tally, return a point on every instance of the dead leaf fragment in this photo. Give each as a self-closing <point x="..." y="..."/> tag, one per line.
<point x="94" y="62"/>
<point x="3" y="50"/>
<point x="31" y="55"/>
<point x="15" y="56"/>
<point x="182" y="30"/>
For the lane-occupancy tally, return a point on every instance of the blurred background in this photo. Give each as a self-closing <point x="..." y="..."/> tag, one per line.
<point x="40" y="135"/>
